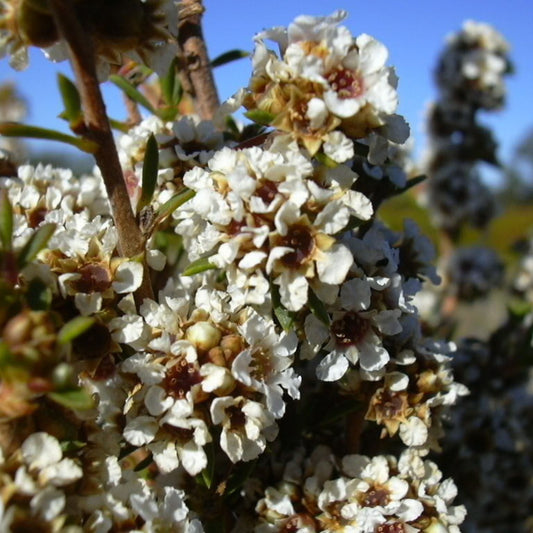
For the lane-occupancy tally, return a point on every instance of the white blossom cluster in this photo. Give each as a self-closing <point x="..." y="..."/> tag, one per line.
<point x="360" y="494"/>
<point x="326" y="87"/>
<point x="475" y="271"/>
<point x="489" y="449"/>
<point x="470" y="77"/>
<point x="473" y="66"/>
<point x="275" y="287"/>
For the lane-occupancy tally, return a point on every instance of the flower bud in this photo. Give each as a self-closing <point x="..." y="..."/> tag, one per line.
<point x="436" y="527"/>
<point x="232" y="345"/>
<point x="216" y="356"/>
<point x="203" y="335"/>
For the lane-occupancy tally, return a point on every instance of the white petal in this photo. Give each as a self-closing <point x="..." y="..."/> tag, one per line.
<point x="360" y="205"/>
<point x="252" y="259"/>
<point x="342" y="107"/>
<point x="413" y="432"/>
<point x="48" y="503"/>
<point x="387" y="321"/>
<point x="157" y="401"/>
<point x="141" y="430"/>
<point x="373" y="54"/>
<point x="88" y="304"/>
<point x="409" y="509"/>
<point x="293" y="290"/>
<point x="156" y="260"/>
<point x="165" y="456"/>
<point x="128" y="277"/>
<point x="355" y="295"/>
<point x="335" y="267"/>
<point x="40" y="450"/>
<point x="372" y="355"/>
<point x="333" y="218"/>
<point x="317" y="113"/>
<point x="232" y="445"/>
<point x="193" y="458"/>
<point x="62" y="473"/>
<point x="332" y="367"/>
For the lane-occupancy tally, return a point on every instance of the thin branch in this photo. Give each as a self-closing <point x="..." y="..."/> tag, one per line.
<point x="134" y="115"/>
<point x="131" y="241"/>
<point x="195" y="61"/>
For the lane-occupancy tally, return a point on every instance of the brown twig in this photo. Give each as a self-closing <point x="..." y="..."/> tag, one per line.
<point x="354" y="428"/>
<point x="134" y="115"/>
<point x="131" y="241"/>
<point x="196" y="67"/>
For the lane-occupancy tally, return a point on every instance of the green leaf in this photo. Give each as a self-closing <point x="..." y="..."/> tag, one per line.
<point x="208" y="473"/>
<point x="145" y="463"/>
<point x="413" y="182"/>
<point x="232" y="126"/>
<point x="39" y="295"/>
<point x="150" y="168"/>
<point x="200" y="265"/>
<point x="261" y="117"/>
<point x="6" y="357"/>
<point x="132" y="92"/>
<point x="321" y="157"/>
<point x="168" y="113"/>
<point x="318" y="308"/>
<point x="6" y="220"/>
<point x="73" y="399"/>
<point x="171" y="205"/>
<point x="119" y="125"/>
<point x="71" y="100"/>
<point x="171" y="87"/>
<point x="284" y="316"/>
<point x="74" y="328"/>
<point x="14" y="129"/>
<point x="242" y="472"/>
<point x="228" y="57"/>
<point x="72" y="446"/>
<point x="35" y="244"/>
<point x="519" y="308"/>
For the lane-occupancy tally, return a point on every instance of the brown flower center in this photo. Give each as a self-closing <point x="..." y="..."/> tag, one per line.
<point x="394" y="527"/>
<point x="94" y="278"/>
<point x="36" y="216"/>
<point x="346" y="83"/>
<point x="267" y="192"/>
<point x="237" y="417"/>
<point x="389" y="405"/>
<point x="180" y="379"/>
<point x="376" y="496"/>
<point x="350" y="329"/>
<point x="303" y="243"/>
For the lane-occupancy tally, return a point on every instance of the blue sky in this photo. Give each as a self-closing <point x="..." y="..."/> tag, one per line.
<point x="414" y="32"/>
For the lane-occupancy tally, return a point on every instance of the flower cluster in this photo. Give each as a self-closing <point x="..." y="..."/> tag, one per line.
<point x="470" y="77"/>
<point x="359" y="493"/>
<point x="326" y="86"/>
<point x="280" y="314"/>
<point x="488" y="446"/>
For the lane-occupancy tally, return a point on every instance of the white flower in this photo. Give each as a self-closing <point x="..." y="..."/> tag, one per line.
<point x="355" y="334"/>
<point x="246" y="427"/>
<point x="265" y="364"/>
